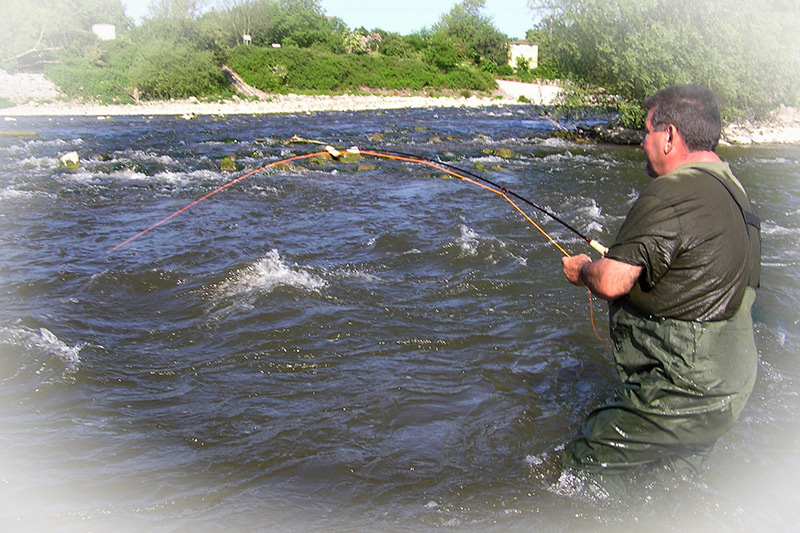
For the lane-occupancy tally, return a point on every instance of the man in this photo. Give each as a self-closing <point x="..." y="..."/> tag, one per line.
<point x="680" y="279"/>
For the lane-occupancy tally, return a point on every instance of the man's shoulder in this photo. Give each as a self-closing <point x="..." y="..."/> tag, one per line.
<point x="700" y="168"/>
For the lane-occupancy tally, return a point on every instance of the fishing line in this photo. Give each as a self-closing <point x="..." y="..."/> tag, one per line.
<point x="212" y="193"/>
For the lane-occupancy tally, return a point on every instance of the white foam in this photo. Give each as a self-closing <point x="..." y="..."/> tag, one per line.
<point x="44" y="342"/>
<point x="7" y="194"/>
<point x="533" y="460"/>
<point x="52" y="344"/>
<point x="768" y="228"/>
<point x="268" y="273"/>
<point x="468" y="240"/>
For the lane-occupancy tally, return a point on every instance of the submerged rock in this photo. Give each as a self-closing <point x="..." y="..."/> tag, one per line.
<point x="228" y="164"/>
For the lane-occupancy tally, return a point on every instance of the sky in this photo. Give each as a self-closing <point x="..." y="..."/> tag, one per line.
<point x="511" y="17"/>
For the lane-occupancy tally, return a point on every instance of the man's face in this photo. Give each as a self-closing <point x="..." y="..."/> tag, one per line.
<point x="653" y="146"/>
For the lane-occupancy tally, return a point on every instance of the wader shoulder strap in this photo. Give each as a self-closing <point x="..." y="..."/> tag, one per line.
<point x="752" y="220"/>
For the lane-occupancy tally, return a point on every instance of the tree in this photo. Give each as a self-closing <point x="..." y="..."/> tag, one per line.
<point x="300" y="22"/>
<point x="177" y="9"/>
<point x="442" y="52"/>
<point x="165" y="69"/>
<point x="35" y="33"/>
<point x="746" y="50"/>
<point x="474" y="34"/>
<point x="241" y="16"/>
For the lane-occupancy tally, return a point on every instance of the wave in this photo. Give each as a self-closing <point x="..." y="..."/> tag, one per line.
<point x="242" y="288"/>
<point x="69" y="355"/>
<point x="265" y="275"/>
<point x="41" y="351"/>
<point x="770" y="228"/>
<point x="468" y="240"/>
<point x="13" y="194"/>
<point x="491" y="249"/>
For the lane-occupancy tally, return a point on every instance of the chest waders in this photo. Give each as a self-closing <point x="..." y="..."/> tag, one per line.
<point x="685" y="384"/>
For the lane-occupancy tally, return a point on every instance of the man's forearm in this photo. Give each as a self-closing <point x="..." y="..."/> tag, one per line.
<point x="606" y="278"/>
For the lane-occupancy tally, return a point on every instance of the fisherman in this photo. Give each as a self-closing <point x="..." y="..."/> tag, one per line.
<point x="680" y="279"/>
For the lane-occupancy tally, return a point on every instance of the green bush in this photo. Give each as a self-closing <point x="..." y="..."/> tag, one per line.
<point x="464" y="78"/>
<point x="78" y="79"/>
<point x="295" y="69"/>
<point x="547" y="69"/>
<point x="165" y="69"/>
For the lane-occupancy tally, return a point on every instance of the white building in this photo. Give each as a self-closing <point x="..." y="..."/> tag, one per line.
<point x="528" y="51"/>
<point x="106" y="32"/>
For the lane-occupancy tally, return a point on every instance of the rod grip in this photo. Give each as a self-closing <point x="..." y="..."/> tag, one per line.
<point x="599" y="247"/>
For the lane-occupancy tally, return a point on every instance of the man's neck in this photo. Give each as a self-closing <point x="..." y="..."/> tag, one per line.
<point x="700" y="156"/>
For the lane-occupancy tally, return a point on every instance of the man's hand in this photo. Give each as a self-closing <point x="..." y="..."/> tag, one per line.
<point x="573" y="266"/>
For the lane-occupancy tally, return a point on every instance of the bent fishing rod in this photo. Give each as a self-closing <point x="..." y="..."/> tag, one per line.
<point x="503" y="191"/>
<point x="451" y="170"/>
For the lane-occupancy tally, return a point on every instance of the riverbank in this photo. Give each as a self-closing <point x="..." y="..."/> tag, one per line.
<point x="34" y="95"/>
<point x="282" y="103"/>
<point x="783" y="128"/>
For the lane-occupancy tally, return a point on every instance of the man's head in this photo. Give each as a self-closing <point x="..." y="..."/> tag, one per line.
<point x="683" y="124"/>
<point x="694" y="112"/>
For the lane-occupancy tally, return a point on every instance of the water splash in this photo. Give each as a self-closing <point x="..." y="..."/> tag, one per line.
<point x="41" y="352"/>
<point x="67" y="354"/>
<point x="268" y="273"/>
<point x="468" y="240"/>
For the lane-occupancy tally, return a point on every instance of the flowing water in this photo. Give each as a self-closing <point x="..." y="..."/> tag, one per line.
<point x="346" y="346"/>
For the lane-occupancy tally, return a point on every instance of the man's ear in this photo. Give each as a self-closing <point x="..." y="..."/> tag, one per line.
<point x="672" y="138"/>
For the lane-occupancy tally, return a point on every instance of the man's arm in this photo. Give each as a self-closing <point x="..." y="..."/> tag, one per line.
<point x="606" y="278"/>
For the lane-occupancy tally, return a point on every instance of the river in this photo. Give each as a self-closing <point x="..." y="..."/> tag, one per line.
<point x="342" y="346"/>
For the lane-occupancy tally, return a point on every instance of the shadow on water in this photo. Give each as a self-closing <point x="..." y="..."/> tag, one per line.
<point x="360" y="346"/>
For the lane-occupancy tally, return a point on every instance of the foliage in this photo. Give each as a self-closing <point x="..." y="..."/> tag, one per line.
<point x="178" y="50"/>
<point x="523" y="69"/>
<point x="157" y="70"/>
<point x="746" y="50"/>
<point x="395" y="45"/>
<point x="103" y="77"/>
<point x="164" y="70"/>
<point x="442" y="51"/>
<point x="473" y="34"/>
<point x="296" y="69"/>
<point x="547" y="69"/>
<point x="38" y="33"/>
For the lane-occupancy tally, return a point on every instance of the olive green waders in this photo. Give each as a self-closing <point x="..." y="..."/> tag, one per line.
<point x="684" y="385"/>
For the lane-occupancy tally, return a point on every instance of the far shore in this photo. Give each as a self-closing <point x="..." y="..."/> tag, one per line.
<point x="783" y="128"/>
<point x="508" y="93"/>
<point x="289" y="103"/>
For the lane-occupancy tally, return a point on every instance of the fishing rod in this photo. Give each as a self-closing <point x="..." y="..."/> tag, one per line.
<point x="461" y="173"/>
